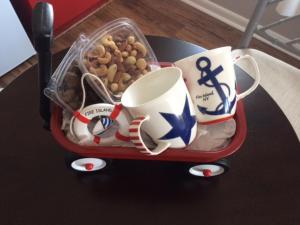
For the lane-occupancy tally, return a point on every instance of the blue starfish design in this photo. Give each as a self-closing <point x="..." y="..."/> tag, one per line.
<point x="181" y="124"/>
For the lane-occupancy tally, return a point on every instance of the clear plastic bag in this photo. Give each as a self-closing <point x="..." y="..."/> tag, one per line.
<point x="64" y="86"/>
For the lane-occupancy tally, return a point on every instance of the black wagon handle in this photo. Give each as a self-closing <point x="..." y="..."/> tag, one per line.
<point x="42" y="29"/>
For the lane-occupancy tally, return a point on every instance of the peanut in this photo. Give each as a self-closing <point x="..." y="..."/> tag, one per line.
<point x="133" y="53"/>
<point x="131" y="39"/>
<point x="126" y="77"/>
<point x="124" y="54"/>
<point x="141" y="63"/>
<point x="114" y="87"/>
<point x="130" y="60"/>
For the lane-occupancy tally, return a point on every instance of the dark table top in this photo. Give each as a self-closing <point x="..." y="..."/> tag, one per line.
<point x="37" y="185"/>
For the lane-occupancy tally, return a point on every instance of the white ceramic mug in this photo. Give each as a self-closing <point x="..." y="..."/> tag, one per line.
<point x="211" y="80"/>
<point x="161" y="106"/>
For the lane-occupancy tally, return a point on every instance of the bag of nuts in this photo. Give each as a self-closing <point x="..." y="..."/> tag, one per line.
<point x="64" y="87"/>
<point x="119" y="54"/>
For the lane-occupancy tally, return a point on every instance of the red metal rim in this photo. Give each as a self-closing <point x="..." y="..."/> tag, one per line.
<point x="169" y="155"/>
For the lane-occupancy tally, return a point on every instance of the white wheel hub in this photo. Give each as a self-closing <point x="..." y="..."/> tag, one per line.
<point x="88" y="164"/>
<point x="206" y="170"/>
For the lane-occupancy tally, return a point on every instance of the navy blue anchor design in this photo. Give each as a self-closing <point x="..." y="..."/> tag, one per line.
<point x="225" y="106"/>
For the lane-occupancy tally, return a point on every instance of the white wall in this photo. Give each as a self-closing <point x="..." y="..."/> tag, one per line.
<point x="245" y="8"/>
<point x="15" y="47"/>
<point x="236" y="13"/>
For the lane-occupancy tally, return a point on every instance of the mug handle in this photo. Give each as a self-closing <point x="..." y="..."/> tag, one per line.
<point x="137" y="140"/>
<point x="256" y="77"/>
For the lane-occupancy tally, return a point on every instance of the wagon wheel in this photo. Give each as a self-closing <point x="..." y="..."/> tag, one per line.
<point x="74" y="160"/>
<point x="212" y="169"/>
<point x="88" y="164"/>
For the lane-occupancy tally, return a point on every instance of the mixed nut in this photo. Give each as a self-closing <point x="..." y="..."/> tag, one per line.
<point x="71" y="92"/>
<point x="118" y="60"/>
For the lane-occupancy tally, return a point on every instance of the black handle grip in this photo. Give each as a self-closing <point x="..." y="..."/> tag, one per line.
<point x="42" y="28"/>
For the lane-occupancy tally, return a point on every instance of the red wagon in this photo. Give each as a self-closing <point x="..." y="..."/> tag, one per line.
<point x="208" y="163"/>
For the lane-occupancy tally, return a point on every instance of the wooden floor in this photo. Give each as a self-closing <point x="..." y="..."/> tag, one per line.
<point x="170" y="18"/>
